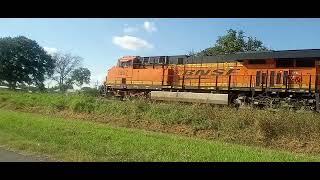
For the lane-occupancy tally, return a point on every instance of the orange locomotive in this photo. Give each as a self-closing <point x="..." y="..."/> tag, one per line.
<point x="250" y="74"/>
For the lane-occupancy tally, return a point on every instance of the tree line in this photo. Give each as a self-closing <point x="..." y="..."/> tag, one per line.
<point x="23" y="62"/>
<point x="232" y="42"/>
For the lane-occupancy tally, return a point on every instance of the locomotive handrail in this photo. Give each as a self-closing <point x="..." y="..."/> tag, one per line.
<point x="307" y="82"/>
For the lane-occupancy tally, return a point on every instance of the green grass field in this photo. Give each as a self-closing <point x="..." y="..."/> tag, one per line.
<point x="279" y="130"/>
<point x="75" y="140"/>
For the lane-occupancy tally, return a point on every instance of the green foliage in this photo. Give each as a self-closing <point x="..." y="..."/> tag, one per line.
<point x="23" y="61"/>
<point x="83" y="104"/>
<point x="64" y="65"/>
<point x="66" y="86"/>
<point x="233" y="42"/>
<point x="90" y="91"/>
<point x="60" y="104"/>
<point x="81" y="76"/>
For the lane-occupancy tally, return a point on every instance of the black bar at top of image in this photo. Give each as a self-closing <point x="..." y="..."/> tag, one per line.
<point x="158" y="9"/>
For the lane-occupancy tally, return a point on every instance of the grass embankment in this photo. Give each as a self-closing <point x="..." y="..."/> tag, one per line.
<point x="283" y="129"/>
<point x="74" y="140"/>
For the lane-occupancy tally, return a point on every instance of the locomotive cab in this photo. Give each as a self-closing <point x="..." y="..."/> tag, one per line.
<point x="129" y="61"/>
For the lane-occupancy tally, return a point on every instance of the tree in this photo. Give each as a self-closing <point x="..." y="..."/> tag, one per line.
<point x="191" y="54"/>
<point x="64" y="65"/>
<point x="90" y="91"/>
<point x="233" y="42"/>
<point x="81" y="76"/>
<point x="23" y="61"/>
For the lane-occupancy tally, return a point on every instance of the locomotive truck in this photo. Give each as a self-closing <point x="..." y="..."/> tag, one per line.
<point x="267" y="78"/>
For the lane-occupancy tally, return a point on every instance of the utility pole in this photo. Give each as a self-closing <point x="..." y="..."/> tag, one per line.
<point x="97" y="84"/>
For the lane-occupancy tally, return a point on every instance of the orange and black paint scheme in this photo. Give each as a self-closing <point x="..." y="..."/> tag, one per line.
<point x="289" y="71"/>
<point x="297" y="72"/>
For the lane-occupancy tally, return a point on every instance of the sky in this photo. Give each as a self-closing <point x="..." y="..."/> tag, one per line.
<point x="100" y="42"/>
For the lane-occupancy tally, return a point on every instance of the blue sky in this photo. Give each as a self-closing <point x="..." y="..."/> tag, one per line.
<point x="102" y="41"/>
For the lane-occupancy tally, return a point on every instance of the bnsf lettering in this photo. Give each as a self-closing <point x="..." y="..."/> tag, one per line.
<point x="231" y="71"/>
<point x="218" y="72"/>
<point x="215" y="72"/>
<point x="188" y="72"/>
<point x="202" y="72"/>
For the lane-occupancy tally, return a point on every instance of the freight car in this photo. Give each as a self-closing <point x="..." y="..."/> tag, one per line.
<point x="266" y="78"/>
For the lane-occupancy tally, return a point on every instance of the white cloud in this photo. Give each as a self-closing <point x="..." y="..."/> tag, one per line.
<point x="131" y="42"/>
<point x="149" y="26"/>
<point x="50" y="50"/>
<point x="130" y="29"/>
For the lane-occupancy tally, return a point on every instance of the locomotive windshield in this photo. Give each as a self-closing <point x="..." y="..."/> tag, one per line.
<point x="129" y="61"/>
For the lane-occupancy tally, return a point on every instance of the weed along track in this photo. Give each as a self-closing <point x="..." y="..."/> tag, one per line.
<point x="280" y="130"/>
